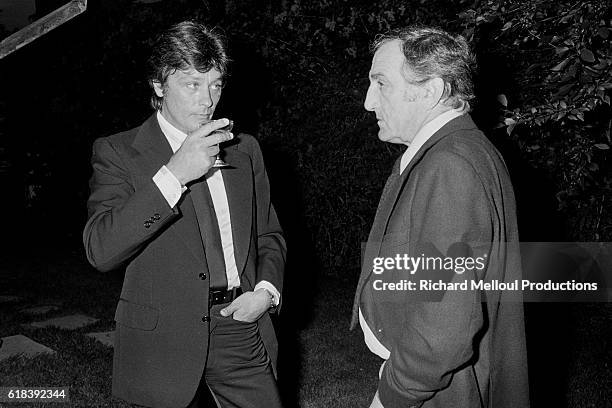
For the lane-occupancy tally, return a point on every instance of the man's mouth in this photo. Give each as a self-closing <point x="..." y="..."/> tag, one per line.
<point x="202" y="117"/>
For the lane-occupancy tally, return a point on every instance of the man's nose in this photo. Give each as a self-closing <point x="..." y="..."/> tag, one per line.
<point x="370" y="101"/>
<point x="204" y="98"/>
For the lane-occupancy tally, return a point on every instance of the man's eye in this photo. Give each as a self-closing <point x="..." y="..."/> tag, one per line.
<point x="192" y="85"/>
<point x="380" y="84"/>
<point x="217" y="86"/>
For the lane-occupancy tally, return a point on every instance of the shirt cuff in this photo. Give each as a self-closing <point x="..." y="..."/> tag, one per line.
<point x="169" y="186"/>
<point x="270" y="288"/>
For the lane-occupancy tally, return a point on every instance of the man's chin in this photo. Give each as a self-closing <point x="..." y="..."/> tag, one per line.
<point x="384" y="135"/>
<point x="195" y="125"/>
<point x="388" y="137"/>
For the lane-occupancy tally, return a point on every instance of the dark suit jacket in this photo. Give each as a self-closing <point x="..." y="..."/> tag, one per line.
<point x="161" y="337"/>
<point x="463" y="348"/>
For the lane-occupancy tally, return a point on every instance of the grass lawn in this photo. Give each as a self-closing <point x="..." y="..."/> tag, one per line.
<point x="322" y="363"/>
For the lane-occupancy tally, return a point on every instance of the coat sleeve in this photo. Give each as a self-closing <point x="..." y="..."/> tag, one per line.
<point x="121" y="218"/>
<point x="271" y="246"/>
<point x="449" y="207"/>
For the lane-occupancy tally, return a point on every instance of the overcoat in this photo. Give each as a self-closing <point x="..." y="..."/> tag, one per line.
<point x="448" y="348"/>
<point x="162" y="316"/>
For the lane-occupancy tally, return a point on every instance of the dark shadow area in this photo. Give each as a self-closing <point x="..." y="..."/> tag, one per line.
<point x="303" y="271"/>
<point x="247" y="89"/>
<point x="549" y="326"/>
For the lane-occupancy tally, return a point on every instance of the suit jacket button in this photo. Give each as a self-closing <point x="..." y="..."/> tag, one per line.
<point x="206" y="318"/>
<point x="202" y="276"/>
<point x="156" y="217"/>
<point x="147" y="224"/>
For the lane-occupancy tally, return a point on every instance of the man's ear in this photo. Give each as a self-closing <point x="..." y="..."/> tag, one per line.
<point x="434" y="89"/>
<point x="158" y="88"/>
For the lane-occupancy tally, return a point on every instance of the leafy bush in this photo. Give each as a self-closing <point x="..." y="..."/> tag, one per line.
<point x="562" y="57"/>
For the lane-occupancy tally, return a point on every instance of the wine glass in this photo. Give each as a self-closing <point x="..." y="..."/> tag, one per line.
<point x="219" y="163"/>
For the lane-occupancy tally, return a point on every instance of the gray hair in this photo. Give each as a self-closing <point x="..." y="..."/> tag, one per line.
<point x="434" y="53"/>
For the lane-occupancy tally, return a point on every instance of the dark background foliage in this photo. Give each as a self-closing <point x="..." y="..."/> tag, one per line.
<point x="560" y="61"/>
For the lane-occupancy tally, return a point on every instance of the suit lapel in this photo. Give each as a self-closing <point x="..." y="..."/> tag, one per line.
<point x="188" y="230"/>
<point x="372" y="248"/>
<point x="209" y="230"/>
<point x="154" y="152"/>
<point x="238" y="182"/>
<point x="154" y="149"/>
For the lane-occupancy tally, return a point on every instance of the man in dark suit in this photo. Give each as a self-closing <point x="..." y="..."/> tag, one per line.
<point x="448" y="207"/>
<point x="202" y="246"/>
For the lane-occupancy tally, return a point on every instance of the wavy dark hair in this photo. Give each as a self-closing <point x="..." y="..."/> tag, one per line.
<point x="184" y="45"/>
<point x="434" y="53"/>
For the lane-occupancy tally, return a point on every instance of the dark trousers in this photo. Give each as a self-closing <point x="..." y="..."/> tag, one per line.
<point x="238" y="370"/>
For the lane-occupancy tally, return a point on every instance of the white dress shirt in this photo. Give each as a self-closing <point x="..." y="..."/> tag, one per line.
<point x="422" y="136"/>
<point x="172" y="190"/>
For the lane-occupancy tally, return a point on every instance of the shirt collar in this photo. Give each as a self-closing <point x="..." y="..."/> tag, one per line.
<point x="426" y="132"/>
<point x="174" y="136"/>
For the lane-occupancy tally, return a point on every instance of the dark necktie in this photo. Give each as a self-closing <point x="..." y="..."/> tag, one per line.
<point x="209" y="231"/>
